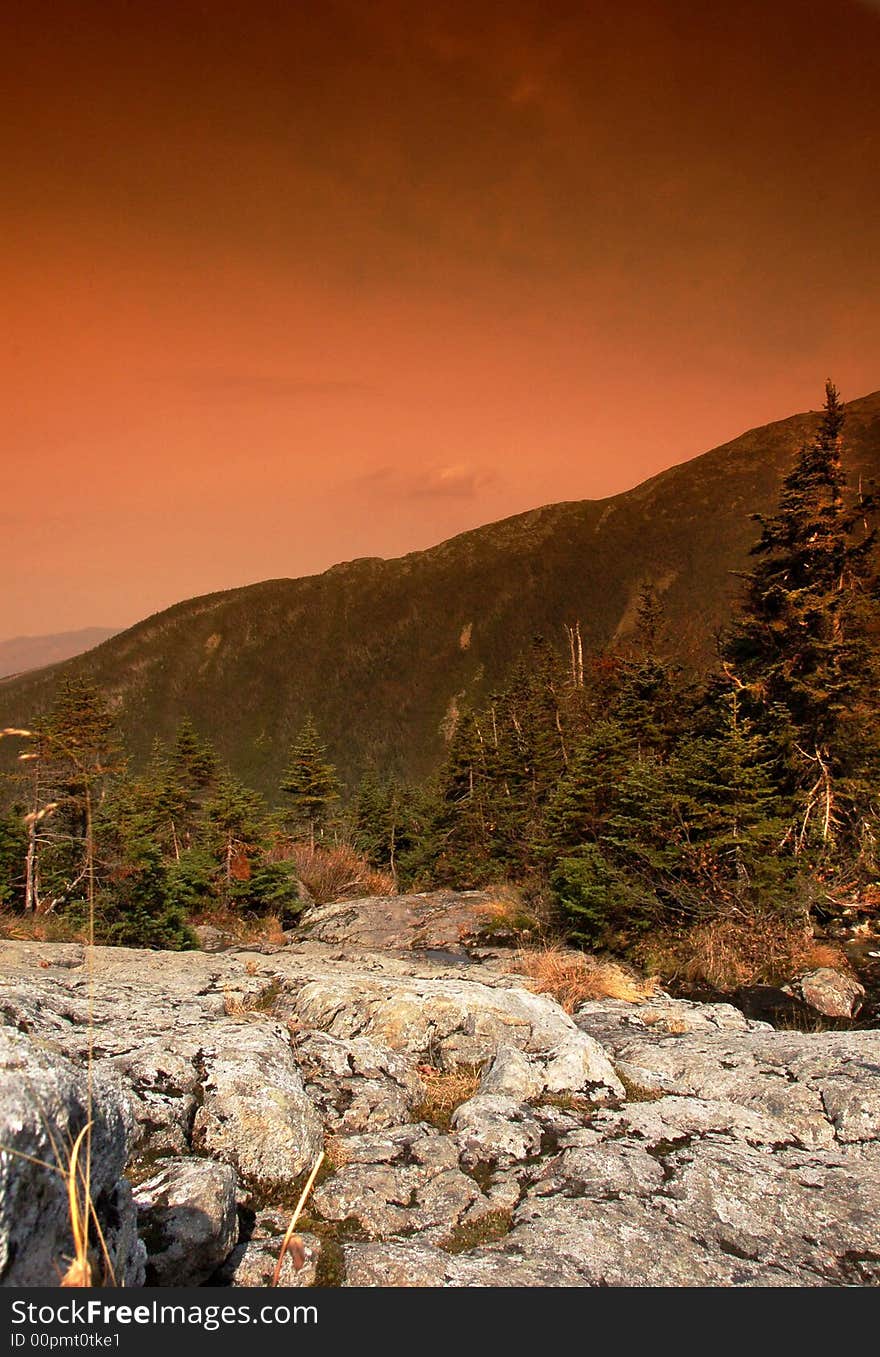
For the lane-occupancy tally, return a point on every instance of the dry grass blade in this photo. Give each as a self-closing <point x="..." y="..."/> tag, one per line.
<point x="728" y="954"/>
<point x="338" y="872"/>
<point x="572" y="978"/>
<point x="289" y="1243"/>
<point x="80" y="1271"/>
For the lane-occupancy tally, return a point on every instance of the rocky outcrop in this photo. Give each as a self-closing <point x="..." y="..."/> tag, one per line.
<point x="442" y="921"/>
<point x="255" y="1113"/>
<point x="45" y="1103"/>
<point x="660" y="1143"/>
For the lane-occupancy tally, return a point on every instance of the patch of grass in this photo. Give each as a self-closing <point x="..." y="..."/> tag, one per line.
<point x="637" y="1093"/>
<point x="566" y="1102"/>
<point x="245" y="929"/>
<point x="338" y="873"/>
<point x="735" y="953"/>
<point x="43" y="927"/>
<point x="506" y="919"/>
<point x="572" y="978"/>
<point x="263" y="1003"/>
<point x="469" y="1234"/>
<point x="445" y="1090"/>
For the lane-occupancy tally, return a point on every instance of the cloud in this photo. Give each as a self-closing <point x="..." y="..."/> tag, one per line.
<point x="457" y="481"/>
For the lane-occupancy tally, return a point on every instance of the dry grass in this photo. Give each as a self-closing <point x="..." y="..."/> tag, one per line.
<point x="244" y="929"/>
<point x="41" y="928"/>
<point x="728" y="954"/>
<point x="445" y="1090"/>
<point x="338" y="873"/>
<point x="572" y="978"/>
<point x="507" y="916"/>
<point x="263" y="1002"/>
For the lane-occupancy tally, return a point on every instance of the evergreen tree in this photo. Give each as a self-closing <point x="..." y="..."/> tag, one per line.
<point x="458" y="838"/>
<point x="73" y="753"/>
<point x="234" y="829"/>
<point x="13" y="851"/>
<point x="310" y="785"/>
<point x="804" y="647"/>
<point x="143" y="910"/>
<point x="586" y="796"/>
<point x="381" y="820"/>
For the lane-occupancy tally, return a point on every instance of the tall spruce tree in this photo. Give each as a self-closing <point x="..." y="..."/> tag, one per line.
<point x="310" y="785"/>
<point x="804" y="647"/>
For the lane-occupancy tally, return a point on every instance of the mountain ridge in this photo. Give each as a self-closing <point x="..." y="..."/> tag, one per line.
<point x="382" y="651"/>
<point x="20" y="654"/>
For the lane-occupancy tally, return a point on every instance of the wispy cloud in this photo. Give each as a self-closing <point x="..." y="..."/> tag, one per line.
<point x="460" y="480"/>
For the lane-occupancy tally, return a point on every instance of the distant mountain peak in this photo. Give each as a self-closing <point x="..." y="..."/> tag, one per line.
<point x="22" y="653"/>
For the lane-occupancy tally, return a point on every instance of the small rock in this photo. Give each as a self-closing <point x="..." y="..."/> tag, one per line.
<point x="495" y="1130"/>
<point x="212" y="939"/>
<point x="431" y="921"/>
<point x="405" y="1264"/>
<point x="187" y="1218"/>
<point x="601" y="1171"/>
<point x="830" y="992"/>
<point x="358" y="1085"/>
<point x="853" y="1108"/>
<point x="391" y="1199"/>
<point x="256" y="1114"/>
<point x="512" y="1074"/>
<point x="254" y="1263"/>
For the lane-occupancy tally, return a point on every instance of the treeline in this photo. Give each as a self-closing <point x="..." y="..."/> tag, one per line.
<point x="617" y="787"/>
<point x="636" y="796"/>
<point x="145" y="853"/>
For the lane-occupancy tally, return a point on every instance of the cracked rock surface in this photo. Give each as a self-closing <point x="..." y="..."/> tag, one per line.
<point x="662" y="1143"/>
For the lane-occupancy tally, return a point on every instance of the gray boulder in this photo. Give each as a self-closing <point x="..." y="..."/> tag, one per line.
<point x="44" y="1105"/>
<point x="495" y="1130"/>
<point x="187" y="1219"/>
<point x="357" y="1085"/>
<point x="831" y="992"/>
<point x="253" y="1263"/>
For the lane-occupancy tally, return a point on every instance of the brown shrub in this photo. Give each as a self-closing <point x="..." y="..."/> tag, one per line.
<point x="727" y="954"/>
<point x="572" y="978"/>
<point x="338" y="873"/>
<point x="246" y="929"/>
<point x="42" y="928"/>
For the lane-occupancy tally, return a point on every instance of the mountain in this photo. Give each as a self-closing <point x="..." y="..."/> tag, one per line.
<point x="383" y="652"/>
<point x="22" y="653"/>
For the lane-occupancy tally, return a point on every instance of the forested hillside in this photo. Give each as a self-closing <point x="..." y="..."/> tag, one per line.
<point x="383" y="653"/>
<point x="630" y="799"/>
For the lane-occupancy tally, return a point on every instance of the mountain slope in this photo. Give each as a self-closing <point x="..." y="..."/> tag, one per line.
<point x="381" y="651"/>
<point x="22" y="653"/>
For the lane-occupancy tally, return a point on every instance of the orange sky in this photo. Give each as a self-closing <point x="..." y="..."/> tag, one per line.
<point x="288" y="283"/>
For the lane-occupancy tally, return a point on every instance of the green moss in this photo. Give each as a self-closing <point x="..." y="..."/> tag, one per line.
<point x="637" y="1093"/>
<point x="469" y="1235"/>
